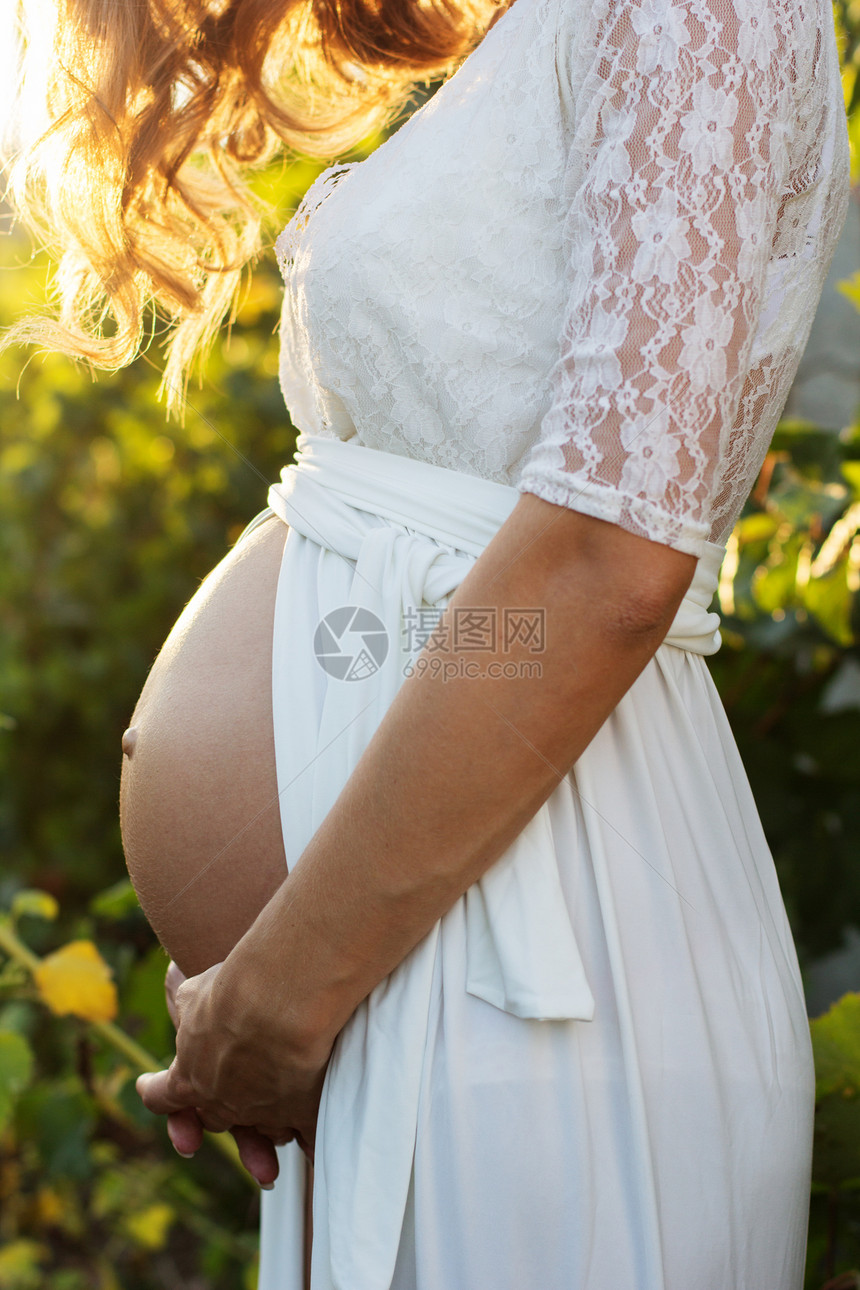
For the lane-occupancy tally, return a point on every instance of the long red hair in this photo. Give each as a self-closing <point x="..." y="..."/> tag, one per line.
<point x="151" y="116"/>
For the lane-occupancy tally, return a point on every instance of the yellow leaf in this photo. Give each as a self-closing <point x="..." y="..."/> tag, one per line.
<point x="850" y="287"/>
<point x="75" y="979"/>
<point x="49" y="1206"/>
<point x="150" y="1226"/>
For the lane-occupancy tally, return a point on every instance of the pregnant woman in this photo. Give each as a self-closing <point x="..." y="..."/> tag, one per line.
<point x="429" y="793"/>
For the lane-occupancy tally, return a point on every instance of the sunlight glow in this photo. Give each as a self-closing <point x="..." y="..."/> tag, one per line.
<point x="8" y="74"/>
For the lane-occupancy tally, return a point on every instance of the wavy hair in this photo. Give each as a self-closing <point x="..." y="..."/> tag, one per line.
<point x="151" y="116"/>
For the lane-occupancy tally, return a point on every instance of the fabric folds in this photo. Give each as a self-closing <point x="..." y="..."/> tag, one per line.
<point x="376" y="536"/>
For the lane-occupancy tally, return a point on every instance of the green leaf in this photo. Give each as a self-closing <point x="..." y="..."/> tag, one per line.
<point x="16" y="1071"/>
<point x="758" y="527"/>
<point x="58" y="1119"/>
<point x="774" y="584"/>
<point x="145" y="1009"/>
<point x="35" y="904"/>
<point x="830" y="600"/>
<point x="836" y="1142"/>
<point x="115" y="902"/>
<point x="836" y="1045"/>
<point x="70" y="1279"/>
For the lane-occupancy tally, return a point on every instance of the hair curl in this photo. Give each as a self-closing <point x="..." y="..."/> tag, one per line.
<point x="153" y="115"/>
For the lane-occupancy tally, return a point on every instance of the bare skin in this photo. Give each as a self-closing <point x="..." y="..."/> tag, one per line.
<point x="466" y="763"/>
<point x="198" y="810"/>
<point x="198" y="796"/>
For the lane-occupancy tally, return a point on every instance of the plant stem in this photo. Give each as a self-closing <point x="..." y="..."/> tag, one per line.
<point x="14" y="947"/>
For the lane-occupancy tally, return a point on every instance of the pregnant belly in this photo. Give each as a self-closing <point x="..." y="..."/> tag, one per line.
<point x="198" y="797"/>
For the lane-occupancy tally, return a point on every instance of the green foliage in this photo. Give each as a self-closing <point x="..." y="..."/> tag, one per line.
<point x="835" y="1226"/>
<point x="789" y="671"/>
<point x="88" y="1193"/>
<point x="836" y="1043"/>
<point x="846" y="14"/>
<point x="16" y="1069"/>
<point x="111" y="517"/>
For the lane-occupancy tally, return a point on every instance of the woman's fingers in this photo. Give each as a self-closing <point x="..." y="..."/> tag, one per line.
<point x="169" y="1093"/>
<point x="225" y="1077"/>
<point x="164" y="1091"/>
<point x="257" y="1153"/>
<point x="256" y="1148"/>
<point x="185" y="1131"/>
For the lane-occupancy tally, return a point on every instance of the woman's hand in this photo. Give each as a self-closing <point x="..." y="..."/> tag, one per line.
<point x="233" y="1071"/>
<point x="185" y="1129"/>
<point x="173" y="979"/>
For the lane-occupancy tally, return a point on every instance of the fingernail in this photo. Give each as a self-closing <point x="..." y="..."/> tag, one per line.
<point x="186" y="1155"/>
<point x="267" y="1186"/>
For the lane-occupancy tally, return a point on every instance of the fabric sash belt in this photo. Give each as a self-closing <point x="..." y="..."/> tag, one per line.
<point x="457" y="510"/>
<point x="403" y="534"/>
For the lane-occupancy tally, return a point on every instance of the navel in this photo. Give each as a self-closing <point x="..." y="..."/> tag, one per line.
<point x="129" y="740"/>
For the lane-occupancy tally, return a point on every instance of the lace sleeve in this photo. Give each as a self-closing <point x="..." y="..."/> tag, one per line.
<point x="674" y="180"/>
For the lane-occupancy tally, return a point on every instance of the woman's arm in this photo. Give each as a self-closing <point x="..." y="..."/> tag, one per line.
<point x="454" y="772"/>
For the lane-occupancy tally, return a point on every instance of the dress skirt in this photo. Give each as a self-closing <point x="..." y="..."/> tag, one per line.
<point x="595" y="1072"/>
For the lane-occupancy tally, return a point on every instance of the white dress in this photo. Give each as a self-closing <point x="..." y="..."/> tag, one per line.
<point x="586" y="269"/>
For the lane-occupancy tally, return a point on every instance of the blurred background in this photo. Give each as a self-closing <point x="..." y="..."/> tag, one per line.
<point x="110" y="516"/>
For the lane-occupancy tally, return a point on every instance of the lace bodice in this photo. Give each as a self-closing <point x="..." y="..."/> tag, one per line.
<point x="589" y="264"/>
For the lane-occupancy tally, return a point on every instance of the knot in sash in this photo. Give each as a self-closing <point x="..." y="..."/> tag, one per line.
<point x="460" y="512"/>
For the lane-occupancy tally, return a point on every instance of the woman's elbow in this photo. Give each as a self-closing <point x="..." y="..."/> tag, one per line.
<point x="634" y="584"/>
